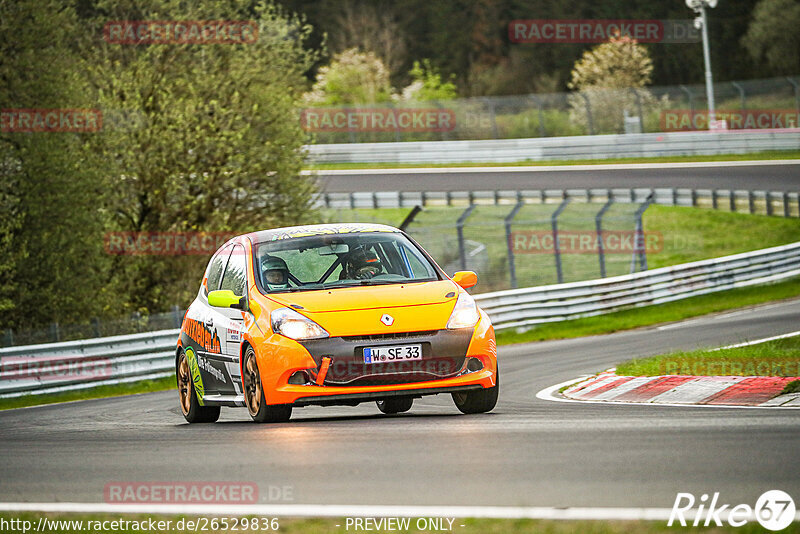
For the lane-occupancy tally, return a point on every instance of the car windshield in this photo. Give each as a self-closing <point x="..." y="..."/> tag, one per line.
<point x="340" y="260"/>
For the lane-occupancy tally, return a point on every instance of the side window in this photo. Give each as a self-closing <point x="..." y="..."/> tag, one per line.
<point x="216" y="267"/>
<point x="235" y="277"/>
<point x="414" y="263"/>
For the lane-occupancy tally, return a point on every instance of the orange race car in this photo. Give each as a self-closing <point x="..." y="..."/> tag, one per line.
<point x="331" y="315"/>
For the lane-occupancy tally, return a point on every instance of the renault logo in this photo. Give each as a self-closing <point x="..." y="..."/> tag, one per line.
<point x="387" y="319"/>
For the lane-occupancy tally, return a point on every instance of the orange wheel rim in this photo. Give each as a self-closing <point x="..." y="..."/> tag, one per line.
<point x="252" y="384"/>
<point x="184" y="385"/>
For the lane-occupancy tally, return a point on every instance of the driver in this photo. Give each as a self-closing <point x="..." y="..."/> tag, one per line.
<point x="362" y="264"/>
<point x="274" y="272"/>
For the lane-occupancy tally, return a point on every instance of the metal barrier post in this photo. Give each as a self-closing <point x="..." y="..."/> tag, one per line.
<point x="598" y="225"/>
<point x="589" y="121"/>
<point x="752" y="201"/>
<point x="556" y="247"/>
<point x="768" y="199"/>
<point x="638" y="237"/>
<point x="460" y="229"/>
<point x="785" y="204"/>
<point x="732" y="200"/>
<point x="410" y="217"/>
<point x="796" y="92"/>
<point x="714" y="199"/>
<point x="742" y="95"/>
<point x="542" y="131"/>
<point x="639" y="109"/>
<point x="512" y="270"/>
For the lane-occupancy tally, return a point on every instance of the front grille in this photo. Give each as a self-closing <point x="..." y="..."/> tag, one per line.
<point x="389" y="337"/>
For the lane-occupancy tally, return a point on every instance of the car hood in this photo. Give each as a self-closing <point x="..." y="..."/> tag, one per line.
<point x="358" y="310"/>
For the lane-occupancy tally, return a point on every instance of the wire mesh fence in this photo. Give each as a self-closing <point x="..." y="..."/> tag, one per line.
<point x="772" y="103"/>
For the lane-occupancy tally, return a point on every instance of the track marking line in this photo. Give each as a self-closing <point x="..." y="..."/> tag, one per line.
<point x="552" y="168"/>
<point x="346" y="510"/>
<point x="550" y="394"/>
<point x="757" y="341"/>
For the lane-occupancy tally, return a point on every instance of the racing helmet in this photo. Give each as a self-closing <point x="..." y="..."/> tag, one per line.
<point x="362" y="264"/>
<point x="274" y="272"/>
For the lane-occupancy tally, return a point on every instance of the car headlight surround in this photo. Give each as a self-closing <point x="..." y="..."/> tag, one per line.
<point x="289" y="323"/>
<point x="465" y="313"/>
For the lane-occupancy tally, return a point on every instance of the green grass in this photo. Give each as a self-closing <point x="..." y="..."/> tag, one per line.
<point x="145" y="386"/>
<point x="769" y="155"/>
<point x="791" y="387"/>
<point x="325" y="526"/>
<point x="780" y="357"/>
<point x="653" y="315"/>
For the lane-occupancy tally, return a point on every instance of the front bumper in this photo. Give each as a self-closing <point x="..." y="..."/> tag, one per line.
<point x="332" y="395"/>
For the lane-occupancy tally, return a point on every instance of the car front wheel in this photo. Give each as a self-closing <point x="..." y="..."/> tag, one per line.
<point x="260" y="411"/>
<point x="478" y="401"/>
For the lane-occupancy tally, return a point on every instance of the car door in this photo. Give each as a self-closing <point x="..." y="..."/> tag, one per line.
<point x="228" y="323"/>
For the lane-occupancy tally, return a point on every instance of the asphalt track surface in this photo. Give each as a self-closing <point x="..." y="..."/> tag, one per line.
<point x="766" y="175"/>
<point x="528" y="451"/>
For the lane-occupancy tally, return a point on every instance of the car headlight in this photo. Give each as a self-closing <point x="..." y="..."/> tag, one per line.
<point x="291" y="324"/>
<point x="465" y="313"/>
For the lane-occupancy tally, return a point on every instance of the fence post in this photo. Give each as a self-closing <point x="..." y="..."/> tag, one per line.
<point x="742" y="95"/>
<point x="639" y="109"/>
<point x="768" y="199"/>
<point x="598" y="225"/>
<point x="462" y="252"/>
<point x="638" y="237"/>
<point x="589" y="121"/>
<point x="177" y="318"/>
<point x="785" y="204"/>
<point x="752" y="201"/>
<point x="556" y="247"/>
<point x="732" y="199"/>
<point x="490" y="104"/>
<point x="96" y="326"/>
<point x="538" y="101"/>
<point x="55" y="332"/>
<point x="796" y="93"/>
<point x="8" y="338"/>
<point x="512" y="271"/>
<point x="691" y="100"/>
<point x="410" y="217"/>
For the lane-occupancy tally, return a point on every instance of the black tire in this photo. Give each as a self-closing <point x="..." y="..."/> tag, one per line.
<point x="478" y="401"/>
<point x="394" y="405"/>
<point x="257" y="406"/>
<point x="187" y="396"/>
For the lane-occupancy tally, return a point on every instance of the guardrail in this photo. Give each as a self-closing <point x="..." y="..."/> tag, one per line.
<point x="783" y="203"/>
<point x="537" y="305"/>
<point x="559" y="148"/>
<point x="55" y="367"/>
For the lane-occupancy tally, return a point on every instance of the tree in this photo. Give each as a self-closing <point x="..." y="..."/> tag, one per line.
<point x="773" y="35"/>
<point x="213" y="143"/>
<point x="51" y="228"/>
<point x="610" y="77"/>
<point x="370" y="27"/>
<point x="427" y="84"/>
<point x="353" y="77"/>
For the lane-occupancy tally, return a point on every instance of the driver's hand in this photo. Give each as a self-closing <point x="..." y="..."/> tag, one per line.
<point x="365" y="273"/>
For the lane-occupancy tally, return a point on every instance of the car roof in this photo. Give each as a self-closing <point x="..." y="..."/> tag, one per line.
<point x="292" y="232"/>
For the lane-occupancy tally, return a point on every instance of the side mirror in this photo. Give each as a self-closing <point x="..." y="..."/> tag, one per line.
<point x="465" y="279"/>
<point x="225" y="298"/>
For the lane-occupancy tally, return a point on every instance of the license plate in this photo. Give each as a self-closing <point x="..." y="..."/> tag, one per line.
<point x="392" y="353"/>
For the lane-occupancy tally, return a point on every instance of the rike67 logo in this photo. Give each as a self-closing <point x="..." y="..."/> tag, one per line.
<point x="774" y="510"/>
